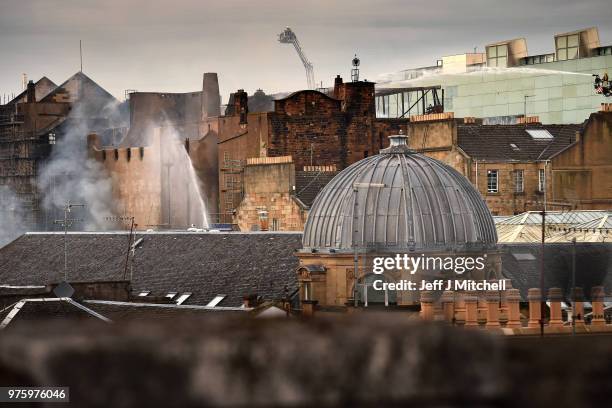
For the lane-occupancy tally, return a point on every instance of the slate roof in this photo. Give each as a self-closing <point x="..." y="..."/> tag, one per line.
<point x="43" y="87"/>
<point x="118" y="311"/>
<point x="234" y="264"/>
<point x="46" y="309"/>
<point x="492" y="142"/>
<point x="521" y="264"/>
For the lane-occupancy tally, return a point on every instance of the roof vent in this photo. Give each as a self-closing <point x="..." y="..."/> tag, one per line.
<point x="398" y="144"/>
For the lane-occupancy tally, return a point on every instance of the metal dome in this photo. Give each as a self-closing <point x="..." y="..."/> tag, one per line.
<point x="399" y="200"/>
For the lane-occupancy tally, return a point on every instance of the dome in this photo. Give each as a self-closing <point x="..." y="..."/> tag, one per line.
<point x="399" y="200"/>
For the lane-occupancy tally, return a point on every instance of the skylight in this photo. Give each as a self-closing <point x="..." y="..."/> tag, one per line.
<point x="171" y="295"/>
<point x="183" y="298"/>
<point x="216" y="301"/>
<point x="144" y="293"/>
<point x="539" y="134"/>
<point x="514" y="147"/>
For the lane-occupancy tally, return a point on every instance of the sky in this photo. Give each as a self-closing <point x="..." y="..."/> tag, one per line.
<point x="166" y="46"/>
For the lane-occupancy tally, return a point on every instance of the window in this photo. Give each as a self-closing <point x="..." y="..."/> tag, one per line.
<point x="51" y="138"/>
<point x="497" y="56"/>
<point x="492" y="181"/>
<point x="183" y="298"/>
<point x="141" y="151"/>
<point x="216" y="301"/>
<point x="307" y="290"/>
<point x="567" y="47"/>
<point x="541" y="180"/>
<point x="275" y="224"/>
<point x="518" y="181"/>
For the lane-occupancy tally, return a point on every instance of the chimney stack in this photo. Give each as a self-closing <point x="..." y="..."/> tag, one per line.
<point x="211" y="100"/>
<point x="241" y="105"/>
<point x="337" y="85"/>
<point x="31" y="92"/>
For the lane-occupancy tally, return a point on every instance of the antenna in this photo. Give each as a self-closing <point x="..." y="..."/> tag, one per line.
<point x="66" y="223"/>
<point x="81" y="53"/>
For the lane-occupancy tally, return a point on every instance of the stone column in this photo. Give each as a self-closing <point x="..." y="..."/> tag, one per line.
<point x="513" y="297"/>
<point x="308" y="307"/>
<point x="578" y="303"/>
<point x="471" y="310"/>
<point x="448" y="306"/>
<point x="555" y="296"/>
<point x="427" y="308"/>
<point x="492" y="297"/>
<point x="534" y="296"/>
<point x="459" y="308"/>
<point x="597" y="298"/>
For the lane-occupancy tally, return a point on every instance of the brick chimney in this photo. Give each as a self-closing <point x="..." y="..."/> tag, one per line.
<point x="337" y="85"/>
<point x="241" y="105"/>
<point x="31" y="92"/>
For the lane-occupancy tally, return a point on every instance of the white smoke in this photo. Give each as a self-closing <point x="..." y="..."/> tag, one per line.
<point x="13" y="220"/>
<point x="69" y="175"/>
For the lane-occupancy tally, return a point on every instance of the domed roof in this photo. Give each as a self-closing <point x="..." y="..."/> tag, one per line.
<point x="399" y="200"/>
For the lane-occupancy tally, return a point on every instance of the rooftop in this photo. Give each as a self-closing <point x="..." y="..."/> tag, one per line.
<point x="514" y="142"/>
<point x="171" y="262"/>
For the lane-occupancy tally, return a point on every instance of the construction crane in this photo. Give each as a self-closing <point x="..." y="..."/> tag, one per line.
<point x="289" y="37"/>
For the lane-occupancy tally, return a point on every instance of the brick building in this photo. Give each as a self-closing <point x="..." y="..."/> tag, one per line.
<point x="313" y="128"/>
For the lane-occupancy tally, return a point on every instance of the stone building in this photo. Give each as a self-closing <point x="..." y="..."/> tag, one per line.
<point x="581" y="173"/>
<point x="164" y="171"/>
<point x="396" y="202"/>
<point x="313" y="128"/>
<point x="522" y="167"/>
<point x="276" y="196"/>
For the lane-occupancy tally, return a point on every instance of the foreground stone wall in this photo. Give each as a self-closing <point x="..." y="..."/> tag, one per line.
<point x="368" y="360"/>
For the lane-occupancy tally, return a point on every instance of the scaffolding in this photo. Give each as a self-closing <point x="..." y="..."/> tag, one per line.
<point x="18" y="170"/>
<point x="405" y="102"/>
<point x="232" y="187"/>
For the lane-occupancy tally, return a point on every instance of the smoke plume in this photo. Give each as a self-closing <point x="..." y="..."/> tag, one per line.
<point x="13" y="221"/>
<point x="69" y="175"/>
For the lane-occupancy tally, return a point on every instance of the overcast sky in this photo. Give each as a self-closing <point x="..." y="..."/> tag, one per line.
<point x="154" y="45"/>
